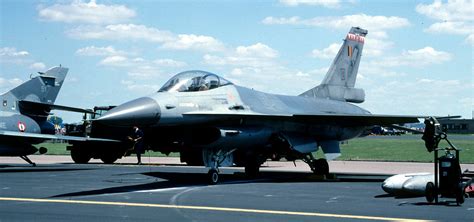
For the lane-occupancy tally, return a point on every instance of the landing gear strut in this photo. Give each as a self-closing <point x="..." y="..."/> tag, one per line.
<point x="25" y="158"/>
<point x="318" y="166"/>
<point x="214" y="162"/>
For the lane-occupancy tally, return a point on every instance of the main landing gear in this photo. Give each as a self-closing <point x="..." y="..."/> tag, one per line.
<point x="318" y="166"/>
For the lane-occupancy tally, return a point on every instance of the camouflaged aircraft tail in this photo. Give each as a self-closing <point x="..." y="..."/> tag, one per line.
<point x="43" y="88"/>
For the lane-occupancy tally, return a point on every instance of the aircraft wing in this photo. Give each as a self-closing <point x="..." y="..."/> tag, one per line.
<point x="52" y="137"/>
<point x="358" y="119"/>
<point x="339" y="119"/>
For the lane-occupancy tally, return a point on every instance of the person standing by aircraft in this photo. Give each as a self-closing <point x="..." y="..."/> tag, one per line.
<point x="137" y="138"/>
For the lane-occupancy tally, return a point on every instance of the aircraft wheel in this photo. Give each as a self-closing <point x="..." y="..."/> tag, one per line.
<point x="213" y="176"/>
<point x="321" y="167"/>
<point x="252" y="170"/>
<point x="460" y="194"/>
<point x="430" y="192"/>
<point x="252" y="167"/>
<point x="109" y="158"/>
<point x="80" y="157"/>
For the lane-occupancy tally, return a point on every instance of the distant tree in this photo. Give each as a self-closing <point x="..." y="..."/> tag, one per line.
<point x="56" y="120"/>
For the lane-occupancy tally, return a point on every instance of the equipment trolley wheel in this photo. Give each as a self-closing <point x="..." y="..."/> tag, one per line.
<point x="460" y="192"/>
<point x="430" y="192"/>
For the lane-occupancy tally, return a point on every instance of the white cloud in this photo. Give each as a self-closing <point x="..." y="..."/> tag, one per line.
<point x="454" y="17"/>
<point x="169" y="63"/>
<point x="342" y="22"/>
<point x="425" y="93"/>
<point x="376" y="43"/>
<point x="137" y="68"/>
<point x="198" y="42"/>
<point x="328" y="52"/>
<point x="415" y="58"/>
<point x="324" y="3"/>
<point x="134" y="32"/>
<point x="256" y="66"/>
<point x="12" y="55"/>
<point x="256" y="50"/>
<point x="8" y="84"/>
<point x="115" y="61"/>
<point x="140" y="88"/>
<point x="255" y="56"/>
<point x="140" y="68"/>
<point x="459" y="28"/>
<point x="373" y="47"/>
<point x="470" y="39"/>
<point x="12" y="52"/>
<point x="121" y="32"/>
<point x="237" y="72"/>
<point x="81" y="12"/>
<point x="99" y="51"/>
<point x="38" y="66"/>
<point x="452" y="10"/>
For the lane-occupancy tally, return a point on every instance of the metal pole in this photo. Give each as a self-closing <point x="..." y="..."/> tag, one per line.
<point x="436" y="174"/>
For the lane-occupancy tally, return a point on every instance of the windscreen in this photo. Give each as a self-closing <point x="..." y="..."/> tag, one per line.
<point x="194" y="81"/>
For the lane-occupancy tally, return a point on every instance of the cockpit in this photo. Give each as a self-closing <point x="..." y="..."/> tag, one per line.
<point x="193" y="81"/>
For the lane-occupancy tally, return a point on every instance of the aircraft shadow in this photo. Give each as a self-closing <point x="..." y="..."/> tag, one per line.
<point x="176" y="180"/>
<point x="10" y="169"/>
<point x="448" y="203"/>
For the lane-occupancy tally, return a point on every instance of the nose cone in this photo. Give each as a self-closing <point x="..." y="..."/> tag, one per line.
<point x="138" y="112"/>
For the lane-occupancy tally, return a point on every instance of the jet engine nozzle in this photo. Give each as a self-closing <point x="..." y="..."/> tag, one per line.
<point x="139" y="112"/>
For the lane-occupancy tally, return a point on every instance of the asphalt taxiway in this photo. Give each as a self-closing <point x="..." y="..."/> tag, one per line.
<point x="98" y="192"/>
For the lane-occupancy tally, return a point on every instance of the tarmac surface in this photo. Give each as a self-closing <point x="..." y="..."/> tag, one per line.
<point x="57" y="190"/>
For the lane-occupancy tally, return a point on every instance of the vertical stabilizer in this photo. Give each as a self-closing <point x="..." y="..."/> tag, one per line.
<point x="43" y="88"/>
<point x="339" y="82"/>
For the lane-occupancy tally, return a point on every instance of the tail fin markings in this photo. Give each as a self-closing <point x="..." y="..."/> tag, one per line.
<point x="43" y="88"/>
<point x="339" y="82"/>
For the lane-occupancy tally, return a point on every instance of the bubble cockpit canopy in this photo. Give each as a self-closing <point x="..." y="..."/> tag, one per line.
<point x="192" y="81"/>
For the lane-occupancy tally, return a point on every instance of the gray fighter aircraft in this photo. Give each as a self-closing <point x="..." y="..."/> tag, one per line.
<point x="24" y="111"/>
<point x="212" y="121"/>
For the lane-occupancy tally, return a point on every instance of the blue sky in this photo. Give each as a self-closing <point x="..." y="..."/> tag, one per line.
<point x="417" y="58"/>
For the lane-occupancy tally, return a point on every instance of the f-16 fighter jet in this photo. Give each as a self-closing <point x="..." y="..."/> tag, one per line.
<point x="214" y="122"/>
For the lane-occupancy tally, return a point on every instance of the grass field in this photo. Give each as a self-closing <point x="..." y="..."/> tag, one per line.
<point x="404" y="149"/>
<point x="408" y="148"/>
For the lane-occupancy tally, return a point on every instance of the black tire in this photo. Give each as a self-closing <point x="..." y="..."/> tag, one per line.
<point x="252" y="170"/>
<point x="80" y="156"/>
<point x="213" y="176"/>
<point x="460" y="194"/>
<point x="109" y="158"/>
<point x="430" y="192"/>
<point x="252" y="167"/>
<point x="321" y="167"/>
